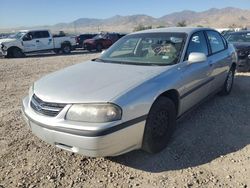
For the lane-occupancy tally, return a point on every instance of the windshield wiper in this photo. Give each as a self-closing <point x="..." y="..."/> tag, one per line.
<point x="98" y="60"/>
<point x="130" y="62"/>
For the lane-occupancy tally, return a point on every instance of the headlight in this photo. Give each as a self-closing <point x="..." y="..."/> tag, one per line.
<point x="96" y="113"/>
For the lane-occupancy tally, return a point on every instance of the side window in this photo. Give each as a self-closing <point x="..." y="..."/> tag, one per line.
<point x="35" y="34"/>
<point x="41" y="34"/>
<point x="28" y="37"/>
<point x="44" y="34"/>
<point x="216" y="41"/>
<point x="197" y="43"/>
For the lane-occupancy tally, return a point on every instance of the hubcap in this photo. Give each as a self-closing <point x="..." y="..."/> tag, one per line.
<point x="229" y="80"/>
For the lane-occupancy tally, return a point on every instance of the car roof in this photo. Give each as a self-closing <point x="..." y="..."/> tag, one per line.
<point x="188" y="30"/>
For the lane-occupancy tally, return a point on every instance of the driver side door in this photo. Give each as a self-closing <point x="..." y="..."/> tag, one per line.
<point x="29" y="42"/>
<point x="196" y="76"/>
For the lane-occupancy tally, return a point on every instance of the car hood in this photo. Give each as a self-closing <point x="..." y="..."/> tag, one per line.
<point x="6" y="40"/>
<point x="91" y="82"/>
<point x="241" y="45"/>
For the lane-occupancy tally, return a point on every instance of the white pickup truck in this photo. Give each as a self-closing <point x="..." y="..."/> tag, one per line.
<point x="26" y="41"/>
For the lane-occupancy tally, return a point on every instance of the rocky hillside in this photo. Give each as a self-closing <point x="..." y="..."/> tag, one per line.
<point x="219" y="18"/>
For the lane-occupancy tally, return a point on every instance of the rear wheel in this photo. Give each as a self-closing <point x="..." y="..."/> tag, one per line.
<point x="160" y="125"/>
<point x="228" y="84"/>
<point x="66" y="48"/>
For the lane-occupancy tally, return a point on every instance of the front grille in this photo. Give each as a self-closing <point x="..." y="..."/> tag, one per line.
<point x="46" y="108"/>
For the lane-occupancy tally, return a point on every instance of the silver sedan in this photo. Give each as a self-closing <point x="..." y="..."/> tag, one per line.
<point x="130" y="97"/>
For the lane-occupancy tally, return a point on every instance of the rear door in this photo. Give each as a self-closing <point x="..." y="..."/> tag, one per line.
<point x="197" y="76"/>
<point x="43" y="40"/>
<point x="219" y="58"/>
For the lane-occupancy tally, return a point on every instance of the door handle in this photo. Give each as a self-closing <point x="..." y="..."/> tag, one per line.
<point x="37" y="41"/>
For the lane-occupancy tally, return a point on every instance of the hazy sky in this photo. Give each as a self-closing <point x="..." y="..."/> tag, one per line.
<point x="14" y="13"/>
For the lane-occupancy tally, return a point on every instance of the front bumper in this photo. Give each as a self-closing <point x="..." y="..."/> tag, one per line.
<point x="63" y="134"/>
<point x="3" y="52"/>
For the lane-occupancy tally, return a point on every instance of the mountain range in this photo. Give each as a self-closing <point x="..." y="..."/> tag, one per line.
<point x="217" y="18"/>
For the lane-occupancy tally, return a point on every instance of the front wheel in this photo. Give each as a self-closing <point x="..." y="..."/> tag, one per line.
<point x="228" y="84"/>
<point x="15" y="53"/>
<point x="160" y="125"/>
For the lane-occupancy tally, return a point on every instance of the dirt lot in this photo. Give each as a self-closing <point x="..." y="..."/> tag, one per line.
<point x="210" y="148"/>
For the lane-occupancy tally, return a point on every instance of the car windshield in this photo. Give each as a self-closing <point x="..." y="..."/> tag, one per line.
<point x="18" y="35"/>
<point x="238" y="37"/>
<point x="146" y="49"/>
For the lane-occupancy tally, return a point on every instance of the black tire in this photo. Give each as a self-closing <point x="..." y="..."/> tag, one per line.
<point x="9" y="54"/>
<point x="15" y="53"/>
<point x="98" y="47"/>
<point x="66" y="48"/>
<point x="160" y="125"/>
<point x="228" y="84"/>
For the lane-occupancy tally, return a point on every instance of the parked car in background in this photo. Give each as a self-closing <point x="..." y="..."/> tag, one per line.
<point x="27" y="41"/>
<point x="101" y="41"/>
<point x="4" y="35"/>
<point x="81" y="38"/>
<point x="241" y="41"/>
<point x="130" y="97"/>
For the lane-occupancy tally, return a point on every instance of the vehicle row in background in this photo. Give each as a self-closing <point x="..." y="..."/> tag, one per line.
<point x="27" y="41"/>
<point x="101" y="41"/>
<point x="30" y="41"/>
<point x="241" y="42"/>
<point x="81" y="38"/>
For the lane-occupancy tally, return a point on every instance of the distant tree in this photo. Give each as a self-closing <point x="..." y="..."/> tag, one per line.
<point x="141" y="27"/>
<point x="232" y="26"/>
<point x="199" y="25"/>
<point x="160" y="26"/>
<point x="182" y="23"/>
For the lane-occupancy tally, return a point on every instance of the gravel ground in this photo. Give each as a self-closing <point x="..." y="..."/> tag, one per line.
<point x="210" y="148"/>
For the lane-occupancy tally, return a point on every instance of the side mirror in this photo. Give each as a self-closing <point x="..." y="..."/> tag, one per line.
<point x="196" y="57"/>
